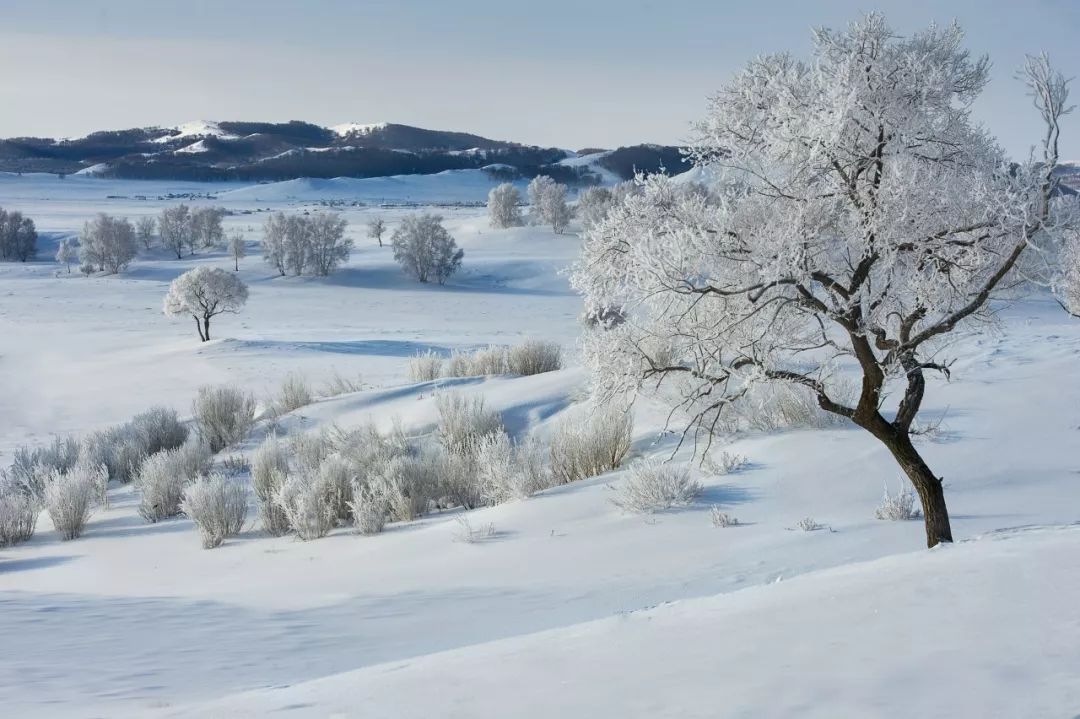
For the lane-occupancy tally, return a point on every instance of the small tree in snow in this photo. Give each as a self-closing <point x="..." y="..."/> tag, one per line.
<point x="18" y="237"/>
<point x="425" y="250"/>
<point x="273" y="241"/>
<point x="503" y="206"/>
<point x="297" y="244"/>
<point x="593" y="206"/>
<point x="107" y="243"/>
<point x="548" y="203"/>
<point x="204" y="293"/>
<point x="376" y="228"/>
<point x="67" y="252"/>
<point x="174" y="226"/>
<point x="859" y="219"/>
<point x="145" y="228"/>
<point x="328" y="247"/>
<point x="206" y="229"/>
<point x="238" y="250"/>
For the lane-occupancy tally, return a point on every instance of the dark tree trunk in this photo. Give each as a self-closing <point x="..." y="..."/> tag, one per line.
<point x="206" y="333"/>
<point x="198" y="328"/>
<point x="931" y="493"/>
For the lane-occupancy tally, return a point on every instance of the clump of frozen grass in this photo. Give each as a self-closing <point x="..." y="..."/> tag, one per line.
<point x="18" y="513"/>
<point x="721" y="518"/>
<point x="507" y="470"/>
<point x="408" y="485"/>
<point x="590" y="443"/>
<point x="368" y="510"/>
<point x="651" y="486"/>
<point x="425" y="367"/>
<point x="335" y="474"/>
<point x="269" y="468"/>
<point x="295" y="393"/>
<point x="898" y="507"/>
<point x="458" y="475"/>
<point x="463" y="422"/>
<point x="119" y="448"/>
<point x="534" y="357"/>
<point x="466" y="532"/>
<point x="808" y="524"/>
<point x="30" y="467"/>
<point x="162" y="478"/>
<point x="223" y="415"/>
<point x="338" y="384"/>
<point x="70" y="496"/>
<point x="159" y="429"/>
<point x="492" y="360"/>
<point x="725" y="463"/>
<point x="218" y="507"/>
<point x="304" y="500"/>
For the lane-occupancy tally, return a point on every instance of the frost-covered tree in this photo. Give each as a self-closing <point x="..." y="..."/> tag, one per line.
<point x="547" y="200"/>
<point x="18" y="237"/>
<point x="503" y="206"/>
<point x="425" y="250"/>
<point x="67" y="252"/>
<point x="145" y="228"/>
<point x="107" y="243"/>
<point x="206" y="229"/>
<point x="237" y="249"/>
<point x="273" y="241"/>
<point x="204" y="293"/>
<point x="174" y="227"/>
<point x="328" y="247"/>
<point x="859" y="221"/>
<point x="376" y="228"/>
<point x="297" y="244"/>
<point x="593" y="206"/>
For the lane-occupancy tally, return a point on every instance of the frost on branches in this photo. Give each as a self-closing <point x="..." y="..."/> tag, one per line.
<point x="859" y="220"/>
<point x="204" y="293"/>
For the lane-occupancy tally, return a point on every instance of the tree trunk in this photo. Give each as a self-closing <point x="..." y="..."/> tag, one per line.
<point x="931" y="493"/>
<point x="198" y="328"/>
<point x="206" y="337"/>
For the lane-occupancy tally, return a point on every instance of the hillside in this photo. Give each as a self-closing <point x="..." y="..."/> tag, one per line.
<point x="262" y="151"/>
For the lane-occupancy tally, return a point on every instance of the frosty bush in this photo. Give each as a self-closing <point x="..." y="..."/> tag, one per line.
<point x="336" y="476"/>
<point x="425" y="250"/>
<point x="162" y="478"/>
<point x="223" y="415"/>
<point x="593" y="206"/>
<point x="159" y="429"/>
<point x="69" y="497"/>
<point x="368" y="510"/>
<point x="898" y="507"/>
<point x="121" y="449"/>
<point x="534" y="357"/>
<point x="425" y="367"/>
<point x="408" y="485"/>
<point x="338" y="384"/>
<point x="304" y="500"/>
<point x="295" y="393"/>
<point x="651" y="485"/>
<point x="590" y="443"/>
<point x="507" y="470"/>
<point x="463" y="422"/>
<point x="18" y="514"/>
<point x="218" y="506"/>
<point x="726" y="463"/>
<point x="808" y="524"/>
<point x="269" y="468"/>
<point x="503" y="206"/>
<point x="721" y="519"/>
<point x="30" y="467"/>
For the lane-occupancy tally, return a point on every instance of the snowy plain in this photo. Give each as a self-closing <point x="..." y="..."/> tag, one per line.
<point x="572" y="608"/>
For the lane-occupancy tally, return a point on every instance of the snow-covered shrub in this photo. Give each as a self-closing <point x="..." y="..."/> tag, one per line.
<point x="234" y="465"/>
<point x="408" y="485"/>
<point x="205" y="293"/>
<point x="489" y="361"/>
<point x="463" y="422"/>
<point x="338" y="384"/>
<point x="218" y="507"/>
<point x="651" y="485"/>
<point x="163" y="477"/>
<point x="808" y="524"/>
<point x="425" y="367"/>
<point x="425" y="250"/>
<point x="269" y="468"/>
<point x="18" y="513"/>
<point x="593" y="206"/>
<point x="368" y="510"/>
<point x="336" y="476"/>
<point x="70" y="496"/>
<point x="159" y="429"/>
<point x="590" y="443"/>
<point x="121" y="449"/>
<point x="721" y="518"/>
<point x="725" y="463"/>
<point x="305" y="501"/>
<point x="534" y="357"/>
<point x="508" y="470"/>
<point x="30" y="467"/>
<point x="459" y="480"/>
<point x="295" y="392"/>
<point x="898" y="507"/>
<point x="503" y="206"/>
<point x="464" y="531"/>
<point x="223" y="415"/>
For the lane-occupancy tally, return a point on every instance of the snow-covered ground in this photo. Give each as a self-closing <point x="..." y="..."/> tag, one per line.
<point x="572" y="608"/>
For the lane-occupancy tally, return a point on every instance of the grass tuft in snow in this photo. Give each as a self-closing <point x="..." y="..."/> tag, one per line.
<point x="70" y="496"/>
<point x="425" y="367"/>
<point x="218" y="506"/>
<point x="590" y="443"/>
<point x="720" y="518"/>
<point x="898" y="507"/>
<point x="223" y="415"/>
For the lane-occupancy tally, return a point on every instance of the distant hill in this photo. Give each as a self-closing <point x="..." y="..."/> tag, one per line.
<point x="272" y="151"/>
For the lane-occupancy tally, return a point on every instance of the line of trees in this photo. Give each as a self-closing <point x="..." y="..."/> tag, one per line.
<point x="182" y="227"/>
<point x="18" y="237"/>
<point x="305" y="244"/>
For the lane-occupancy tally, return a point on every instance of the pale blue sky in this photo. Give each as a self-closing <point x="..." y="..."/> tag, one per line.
<point x="554" y="72"/>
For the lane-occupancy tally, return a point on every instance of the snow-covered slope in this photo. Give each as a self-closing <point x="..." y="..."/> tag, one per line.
<point x="198" y="128"/>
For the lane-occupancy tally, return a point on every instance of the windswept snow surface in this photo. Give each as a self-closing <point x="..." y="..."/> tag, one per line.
<point x="571" y="608"/>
